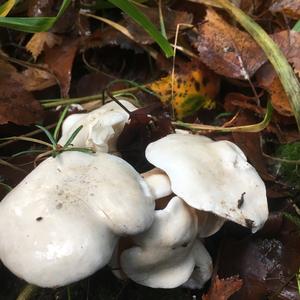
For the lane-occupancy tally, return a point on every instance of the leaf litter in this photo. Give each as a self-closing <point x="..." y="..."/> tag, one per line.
<point x="217" y="65"/>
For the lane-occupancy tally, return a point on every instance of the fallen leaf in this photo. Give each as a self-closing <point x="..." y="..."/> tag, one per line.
<point x="289" y="43"/>
<point x="38" y="41"/>
<point x="222" y="289"/>
<point x="226" y="49"/>
<point x="194" y="87"/>
<point x="35" y="79"/>
<point x="267" y="79"/>
<point x="31" y="79"/>
<point x="17" y="105"/>
<point x="266" y="263"/>
<point x="60" y="59"/>
<point x="291" y="8"/>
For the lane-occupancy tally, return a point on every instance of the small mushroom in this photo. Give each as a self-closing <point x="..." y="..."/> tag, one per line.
<point x="101" y="127"/>
<point x="62" y="222"/>
<point x="159" y="183"/>
<point x="166" y="255"/>
<point x="212" y="176"/>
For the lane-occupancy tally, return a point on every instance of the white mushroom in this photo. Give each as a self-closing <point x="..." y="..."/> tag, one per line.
<point x="61" y="223"/>
<point x="101" y="127"/>
<point x="212" y="176"/>
<point x="167" y="254"/>
<point x="159" y="183"/>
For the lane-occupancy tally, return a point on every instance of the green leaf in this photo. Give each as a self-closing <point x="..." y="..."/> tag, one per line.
<point x="49" y="135"/>
<point x="72" y="137"/>
<point x="34" y="24"/>
<point x="59" y="123"/>
<point x="297" y="26"/>
<point x="147" y="25"/>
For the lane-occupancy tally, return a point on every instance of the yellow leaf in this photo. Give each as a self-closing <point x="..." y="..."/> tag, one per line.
<point x="7" y="7"/>
<point x="38" y="41"/>
<point x="194" y="88"/>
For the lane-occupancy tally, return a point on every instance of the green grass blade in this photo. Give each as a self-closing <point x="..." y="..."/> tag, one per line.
<point x="132" y="11"/>
<point x="59" y="123"/>
<point x="34" y="24"/>
<point x="49" y="135"/>
<point x="6" y="7"/>
<point x="72" y="137"/>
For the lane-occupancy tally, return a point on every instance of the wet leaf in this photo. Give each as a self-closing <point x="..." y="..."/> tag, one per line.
<point x="226" y="49"/>
<point x="291" y="8"/>
<point x="223" y="289"/>
<point x="267" y="264"/>
<point x="194" y="87"/>
<point x="38" y="41"/>
<point x="17" y="105"/>
<point x="60" y="61"/>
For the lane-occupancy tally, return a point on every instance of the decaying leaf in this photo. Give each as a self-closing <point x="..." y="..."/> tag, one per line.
<point x="267" y="79"/>
<point x="60" y="61"/>
<point x="38" y="41"/>
<point x="194" y="87"/>
<point x="289" y="43"/>
<point x="16" y="104"/>
<point x="226" y="49"/>
<point x="222" y="289"/>
<point x="31" y="79"/>
<point x="291" y="8"/>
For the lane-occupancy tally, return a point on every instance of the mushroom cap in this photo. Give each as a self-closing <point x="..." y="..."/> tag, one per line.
<point x="164" y="257"/>
<point x="61" y="222"/>
<point x="212" y="176"/>
<point x="101" y="127"/>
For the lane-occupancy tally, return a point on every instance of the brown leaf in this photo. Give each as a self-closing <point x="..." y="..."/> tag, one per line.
<point x="290" y="8"/>
<point x="16" y="104"/>
<point x="222" y="289"/>
<point x="267" y="79"/>
<point x="32" y="79"/>
<point x="60" y="61"/>
<point x="38" y="41"/>
<point x="266" y="263"/>
<point x="226" y="49"/>
<point x="289" y="43"/>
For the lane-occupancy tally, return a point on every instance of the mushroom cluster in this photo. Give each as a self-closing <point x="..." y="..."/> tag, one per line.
<point x="69" y="217"/>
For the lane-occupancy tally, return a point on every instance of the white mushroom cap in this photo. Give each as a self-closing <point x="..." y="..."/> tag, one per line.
<point x="212" y="176"/>
<point x="159" y="183"/>
<point x="164" y="257"/>
<point x="101" y="127"/>
<point x="61" y="223"/>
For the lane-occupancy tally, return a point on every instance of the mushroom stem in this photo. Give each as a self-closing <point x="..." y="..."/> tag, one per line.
<point x="159" y="183"/>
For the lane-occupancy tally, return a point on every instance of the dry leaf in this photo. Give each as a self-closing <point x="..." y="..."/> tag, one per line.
<point x="35" y="79"/>
<point x="290" y="8"/>
<point x="267" y="79"/>
<point x="226" y="49"/>
<point x="16" y="104"/>
<point x="60" y="61"/>
<point x="222" y="289"/>
<point x="289" y="43"/>
<point x="194" y="87"/>
<point x="38" y="41"/>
